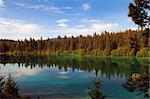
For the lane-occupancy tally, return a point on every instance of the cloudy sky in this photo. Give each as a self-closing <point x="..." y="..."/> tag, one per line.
<point x="50" y="18"/>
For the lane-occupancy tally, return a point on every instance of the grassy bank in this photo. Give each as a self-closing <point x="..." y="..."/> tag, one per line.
<point x="121" y="52"/>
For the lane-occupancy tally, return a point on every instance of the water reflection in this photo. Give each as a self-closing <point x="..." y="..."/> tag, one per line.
<point x="139" y="83"/>
<point x="109" y="67"/>
<point x="96" y="91"/>
<point x="56" y="76"/>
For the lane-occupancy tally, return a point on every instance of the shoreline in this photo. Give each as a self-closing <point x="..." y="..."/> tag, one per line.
<point x="71" y="55"/>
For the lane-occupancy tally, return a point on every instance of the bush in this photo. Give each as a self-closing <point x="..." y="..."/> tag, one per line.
<point x="94" y="52"/>
<point x="121" y="51"/>
<point x="66" y="53"/>
<point x="144" y="52"/>
<point x="80" y="52"/>
<point x="97" y="52"/>
<point x="133" y="52"/>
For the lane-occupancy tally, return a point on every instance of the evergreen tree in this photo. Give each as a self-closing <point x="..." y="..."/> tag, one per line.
<point x="139" y="83"/>
<point x="138" y="11"/>
<point x="11" y="87"/>
<point x="96" y="93"/>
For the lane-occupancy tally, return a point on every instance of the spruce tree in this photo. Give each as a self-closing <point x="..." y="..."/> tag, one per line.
<point x="138" y="11"/>
<point x="96" y="93"/>
<point x="11" y="87"/>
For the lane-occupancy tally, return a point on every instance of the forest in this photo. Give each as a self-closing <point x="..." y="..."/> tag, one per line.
<point x="124" y="43"/>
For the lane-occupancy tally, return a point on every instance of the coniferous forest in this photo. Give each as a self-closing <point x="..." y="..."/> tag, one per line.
<point x="126" y="43"/>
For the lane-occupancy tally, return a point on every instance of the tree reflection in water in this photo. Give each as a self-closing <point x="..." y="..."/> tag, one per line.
<point x="96" y="91"/>
<point x="139" y="83"/>
<point x="109" y="67"/>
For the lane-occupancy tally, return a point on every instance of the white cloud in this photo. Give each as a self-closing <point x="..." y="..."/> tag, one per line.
<point x="132" y="28"/>
<point x="90" y="21"/>
<point x="63" y="25"/>
<point x="40" y="7"/>
<point x="80" y="26"/>
<point x="18" y="29"/>
<point x="17" y="26"/>
<point x="86" y="6"/>
<point x="2" y="3"/>
<point x="104" y="26"/>
<point x="86" y="27"/>
<point x="62" y="22"/>
<point x="18" y="72"/>
<point x="44" y="7"/>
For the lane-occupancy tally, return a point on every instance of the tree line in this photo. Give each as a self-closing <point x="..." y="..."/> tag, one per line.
<point x="125" y="43"/>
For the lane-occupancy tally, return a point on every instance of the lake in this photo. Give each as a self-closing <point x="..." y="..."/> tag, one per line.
<point x="66" y="77"/>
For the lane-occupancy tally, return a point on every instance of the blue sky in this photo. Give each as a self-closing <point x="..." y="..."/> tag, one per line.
<point x="50" y="18"/>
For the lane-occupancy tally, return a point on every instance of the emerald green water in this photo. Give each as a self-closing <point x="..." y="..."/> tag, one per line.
<point x="58" y="77"/>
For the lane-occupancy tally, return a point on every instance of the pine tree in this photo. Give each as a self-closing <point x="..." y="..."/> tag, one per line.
<point x="11" y="87"/>
<point x="139" y="83"/>
<point x="96" y="93"/>
<point x="138" y="11"/>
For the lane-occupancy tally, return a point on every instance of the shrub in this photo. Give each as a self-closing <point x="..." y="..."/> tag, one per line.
<point x="80" y="52"/>
<point x="97" y="52"/>
<point x="66" y="53"/>
<point x="121" y="51"/>
<point x="144" y="52"/>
